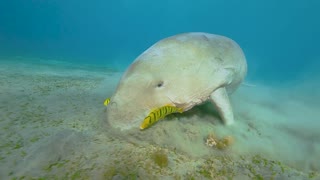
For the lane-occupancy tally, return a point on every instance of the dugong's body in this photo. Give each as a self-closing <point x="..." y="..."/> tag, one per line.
<point x="182" y="71"/>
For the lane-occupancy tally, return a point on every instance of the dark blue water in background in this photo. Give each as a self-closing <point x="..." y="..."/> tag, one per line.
<point x="280" y="38"/>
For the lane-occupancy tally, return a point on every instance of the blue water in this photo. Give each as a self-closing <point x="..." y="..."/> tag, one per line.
<point x="280" y="38"/>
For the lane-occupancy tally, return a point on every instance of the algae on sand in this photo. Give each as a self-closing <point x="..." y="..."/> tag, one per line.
<point x="56" y="126"/>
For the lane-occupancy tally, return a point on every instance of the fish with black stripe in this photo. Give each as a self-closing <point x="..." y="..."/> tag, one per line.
<point x="159" y="113"/>
<point x="106" y="102"/>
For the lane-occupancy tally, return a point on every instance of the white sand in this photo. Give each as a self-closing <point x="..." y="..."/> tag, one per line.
<point x="52" y="126"/>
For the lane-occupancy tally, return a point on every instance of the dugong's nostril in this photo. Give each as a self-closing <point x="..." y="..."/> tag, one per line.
<point x="112" y="106"/>
<point x="113" y="103"/>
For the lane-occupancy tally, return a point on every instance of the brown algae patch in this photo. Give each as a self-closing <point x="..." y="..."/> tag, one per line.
<point x="221" y="144"/>
<point x="160" y="158"/>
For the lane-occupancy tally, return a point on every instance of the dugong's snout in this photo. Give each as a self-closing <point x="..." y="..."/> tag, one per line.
<point x="124" y="116"/>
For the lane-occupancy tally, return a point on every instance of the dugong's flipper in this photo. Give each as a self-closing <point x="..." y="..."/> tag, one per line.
<point x="221" y="101"/>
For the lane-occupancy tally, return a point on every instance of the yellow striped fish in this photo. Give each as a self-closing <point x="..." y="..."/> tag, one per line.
<point x="157" y="114"/>
<point x="106" y="102"/>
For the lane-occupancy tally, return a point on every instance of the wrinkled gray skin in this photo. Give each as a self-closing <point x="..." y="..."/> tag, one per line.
<point x="183" y="70"/>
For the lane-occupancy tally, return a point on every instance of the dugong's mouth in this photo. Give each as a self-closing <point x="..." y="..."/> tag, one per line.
<point x="123" y="117"/>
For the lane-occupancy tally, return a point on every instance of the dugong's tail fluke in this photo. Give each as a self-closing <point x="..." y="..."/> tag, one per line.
<point x="221" y="101"/>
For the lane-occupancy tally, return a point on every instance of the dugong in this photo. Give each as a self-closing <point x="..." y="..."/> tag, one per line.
<point x="180" y="71"/>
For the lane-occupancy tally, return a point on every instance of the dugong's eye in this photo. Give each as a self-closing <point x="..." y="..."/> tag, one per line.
<point x="159" y="84"/>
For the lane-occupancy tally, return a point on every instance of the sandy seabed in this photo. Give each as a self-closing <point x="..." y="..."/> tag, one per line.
<point x="52" y="126"/>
